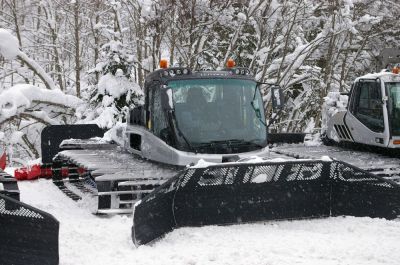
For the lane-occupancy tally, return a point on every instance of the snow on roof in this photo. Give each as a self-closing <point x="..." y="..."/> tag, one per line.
<point x="9" y="46"/>
<point x="384" y="76"/>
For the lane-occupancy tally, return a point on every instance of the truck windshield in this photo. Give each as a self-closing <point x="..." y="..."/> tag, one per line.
<point x="394" y="106"/>
<point x="212" y="111"/>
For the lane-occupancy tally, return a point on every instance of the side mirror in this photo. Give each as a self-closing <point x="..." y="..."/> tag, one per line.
<point x="166" y="99"/>
<point x="136" y="116"/>
<point x="278" y="100"/>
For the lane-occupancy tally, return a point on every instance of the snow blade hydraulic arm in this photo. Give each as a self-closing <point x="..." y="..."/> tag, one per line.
<point x="27" y="235"/>
<point x="249" y="192"/>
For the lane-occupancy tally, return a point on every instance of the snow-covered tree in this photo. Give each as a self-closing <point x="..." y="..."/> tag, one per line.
<point x="115" y="92"/>
<point x="25" y="109"/>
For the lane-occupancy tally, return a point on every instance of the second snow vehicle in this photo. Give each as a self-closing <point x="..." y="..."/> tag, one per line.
<point x="367" y="133"/>
<point x="373" y="112"/>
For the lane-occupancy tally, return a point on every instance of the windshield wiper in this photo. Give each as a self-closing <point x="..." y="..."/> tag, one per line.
<point x="180" y="133"/>
<point x="257" y="110"/>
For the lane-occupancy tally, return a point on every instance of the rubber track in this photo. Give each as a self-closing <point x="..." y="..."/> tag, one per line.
<point x="66" y="191"/>
<point x="107" y="164"/>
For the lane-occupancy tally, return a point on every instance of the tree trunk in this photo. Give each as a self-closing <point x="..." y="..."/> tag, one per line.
<point x="77" y="50"/>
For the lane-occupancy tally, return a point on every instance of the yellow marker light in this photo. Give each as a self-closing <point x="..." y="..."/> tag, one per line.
<point x="230" y="63"/>
<point x="396" y="141"/>
<point x="163" y="63"/>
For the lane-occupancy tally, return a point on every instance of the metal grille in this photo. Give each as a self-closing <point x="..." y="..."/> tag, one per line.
<point x="348" y="173"/>
<point x="187" y="177"/>
<point x="305" y="172"/>
<point x="216" y="176"/>
<point x="21" y="211"/>
<point x="342" y="131"/>
<point x="27" y="235"/>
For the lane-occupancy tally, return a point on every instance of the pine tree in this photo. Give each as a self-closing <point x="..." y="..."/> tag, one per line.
<point x="115" y="92"/>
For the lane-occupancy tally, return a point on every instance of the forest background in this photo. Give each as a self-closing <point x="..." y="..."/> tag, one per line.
<point x="85" y="61"/>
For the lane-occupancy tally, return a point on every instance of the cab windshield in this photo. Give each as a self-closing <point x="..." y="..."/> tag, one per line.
<point x="212" y="111"/>
<point x="394" y="106"/>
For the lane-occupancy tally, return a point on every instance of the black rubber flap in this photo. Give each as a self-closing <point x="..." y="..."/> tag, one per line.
<point x="236" y="193"/>
<point x="27" y="235"/>
<point x="53" y="135"/>
<point x="153" y="216"/>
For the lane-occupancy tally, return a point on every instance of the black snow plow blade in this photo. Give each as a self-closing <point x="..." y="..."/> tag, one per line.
<point x="251" y="192"/>
<point x="27" y="235"/>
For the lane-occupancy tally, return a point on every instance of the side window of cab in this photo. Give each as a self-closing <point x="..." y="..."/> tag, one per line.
<point x="158" y="119"/>
<point x="366" y="104"/>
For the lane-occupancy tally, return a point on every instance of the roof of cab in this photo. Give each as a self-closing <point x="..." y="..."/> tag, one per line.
<point x="384" y="76"/>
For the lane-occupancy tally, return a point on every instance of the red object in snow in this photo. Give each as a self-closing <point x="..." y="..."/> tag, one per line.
<point x="34" y="172"/>
<point x="47" y="172"/>
<point x="64" y="172"/>
<point x="81" y="170"/>
<point x="21" y="173"/>
<point x="28" y="173"/>
<point x="37" y="171"/>
<point x="3" y="161"/>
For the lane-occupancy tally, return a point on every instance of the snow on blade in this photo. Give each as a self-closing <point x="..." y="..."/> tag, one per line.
<point x="203" y="164"/>
<point x="326" y="158"/>
<point x="260" y="178"/>
<point x="249" y="160"/>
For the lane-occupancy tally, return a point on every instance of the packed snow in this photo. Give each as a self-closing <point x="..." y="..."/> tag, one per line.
<point x="89" y="239"/>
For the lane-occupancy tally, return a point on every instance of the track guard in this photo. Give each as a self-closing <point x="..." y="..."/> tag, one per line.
<point x="27" y="235"/>
<point x="249" y="192"/>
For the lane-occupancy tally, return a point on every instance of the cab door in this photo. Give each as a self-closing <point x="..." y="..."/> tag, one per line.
<point x="367" y="115"/>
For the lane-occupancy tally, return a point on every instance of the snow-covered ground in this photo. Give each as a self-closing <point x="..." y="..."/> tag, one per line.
<point x="89" y="239"/>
